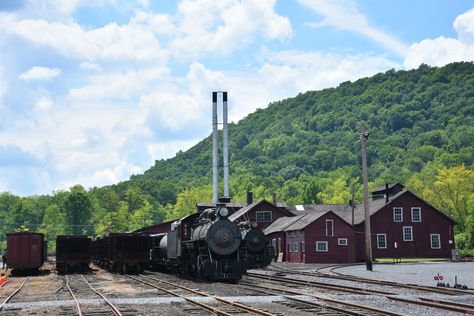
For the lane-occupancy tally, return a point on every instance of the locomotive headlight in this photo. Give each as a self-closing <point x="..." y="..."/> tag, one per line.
<point x="223" y="211"/>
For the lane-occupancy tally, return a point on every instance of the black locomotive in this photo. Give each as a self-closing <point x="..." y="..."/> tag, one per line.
<point x="259" y="253"/>
<point x="203" y="245"/>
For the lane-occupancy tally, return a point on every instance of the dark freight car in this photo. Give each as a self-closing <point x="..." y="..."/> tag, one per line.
<point x="122" y="252"/>
<point x="26" y="252"/>
<point x="72" y="253"/>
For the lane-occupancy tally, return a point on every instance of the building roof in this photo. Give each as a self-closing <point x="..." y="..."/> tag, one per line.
<point x="281" y="223"/>
<point x="300" y="209"/>
<point x="212" y="205"/>
<point x="305" y="220"/>
<point x="244" y="210"/>
<point x="383" y="187"/>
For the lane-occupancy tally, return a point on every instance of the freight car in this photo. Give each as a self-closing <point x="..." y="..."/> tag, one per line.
<point x="26" y="252"/>
<point x="122" y="252"/>
<point x="72" y="253"/>
<point x="259" y="253"/>
<point x="203" y="245"/>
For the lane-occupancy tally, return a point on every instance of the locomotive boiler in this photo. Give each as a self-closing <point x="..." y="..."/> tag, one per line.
<point x="259" y="254"/>
<point x="203" y="245"/>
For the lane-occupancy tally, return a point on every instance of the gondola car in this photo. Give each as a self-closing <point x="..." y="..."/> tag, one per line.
<point x="26" y="252"/>
<point x="259" y="253"/>
<point x="72" y="253"/>
<point x="122" y="252"/>
<point x="202" y="245"/>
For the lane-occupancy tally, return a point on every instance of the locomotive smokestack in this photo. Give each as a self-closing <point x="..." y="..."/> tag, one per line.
<point x="225" y="150"/>
<point x="215" y="159"/>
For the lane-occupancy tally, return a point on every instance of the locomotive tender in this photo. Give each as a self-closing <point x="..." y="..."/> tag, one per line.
<point x="203" y="245"/>
<point x="259" y="253"/>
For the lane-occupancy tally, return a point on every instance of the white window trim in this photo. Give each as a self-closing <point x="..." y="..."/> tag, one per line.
<point x="332" y="227"/>
<point x="322" y="242"/>
<point x="439" y="241"/>
<point x="263" y="212"/>
<point x="411" y="228"/>
<point x="413" y="221"/>
<point x="342" y="242"/>
<point x="401" y="214"/>
<point x="385" y="238"/>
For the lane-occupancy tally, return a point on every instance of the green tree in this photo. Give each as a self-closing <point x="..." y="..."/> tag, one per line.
<point x="78" y="207"/>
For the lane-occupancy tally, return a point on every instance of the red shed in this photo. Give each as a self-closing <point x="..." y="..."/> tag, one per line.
<point x="404" y="225"/>
<point x="262" y="212"/>
<point x="25" y="251"/>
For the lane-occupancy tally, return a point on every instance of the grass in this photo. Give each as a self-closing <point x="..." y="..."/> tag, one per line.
<point x="405" y="260"/>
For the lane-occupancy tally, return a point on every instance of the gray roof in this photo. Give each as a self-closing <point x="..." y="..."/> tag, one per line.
<point x="281" y="223"/>
<point x="242" y="211"/>
<point x="211" y="205"/>
<point x="305" y="220"/>
<point x="390" y="186"/>
<point x="318" y="208"/>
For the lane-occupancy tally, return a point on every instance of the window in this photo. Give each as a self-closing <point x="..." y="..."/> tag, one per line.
<point x="263" y="216"/>
<point x="398" y="214"/>
<point x="329" y="227"/>
<point x="416" y="214"/>
<point x="435" y="241"/>
<point x="382" y="241"/>
<point x="407" y="233"/>
<point x="289" y="246"/>
<point x="342" y="241"/>
<point x="302" y="246"/>
<point x="295" y="247"/>
<point x="322" y="246"/>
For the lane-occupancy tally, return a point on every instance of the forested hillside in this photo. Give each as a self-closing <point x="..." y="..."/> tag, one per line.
<point x="306" y="149"/>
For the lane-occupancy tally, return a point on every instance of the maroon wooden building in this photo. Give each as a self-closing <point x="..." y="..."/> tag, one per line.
<point x="404" y="225"/>
<point x="263" y="213"/>
<point x="313" y="237"/>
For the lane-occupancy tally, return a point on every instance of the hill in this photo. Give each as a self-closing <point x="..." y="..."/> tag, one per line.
<point x="306" y="149"/>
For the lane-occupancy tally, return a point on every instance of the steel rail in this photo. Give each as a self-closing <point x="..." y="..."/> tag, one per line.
<point x="340" y="276"/>
<point x="112" y="306"/>
<point x="78" y="307"/>
<point x="341" y="288"/>
<point x="202" y="305"/>
<point x="434" y="305"/>
<point x="338" y="309"/>
<point x="220" y="299"/>
<point x="467" y="306"/>
<point x="14" y="293"/>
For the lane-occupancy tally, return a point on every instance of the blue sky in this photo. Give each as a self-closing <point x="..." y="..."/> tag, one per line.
<point x="94" y="91"/>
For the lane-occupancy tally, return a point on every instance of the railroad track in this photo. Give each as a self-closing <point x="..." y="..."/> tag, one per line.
<point x="15" y="292"/>
<point x="322" y="306"/>
<point x="420" y="301"/>
<point x="319" y="285"/>
<point x="82" y="292"/>
<point x="339" y="276"/>
<point x="224" y="307"/>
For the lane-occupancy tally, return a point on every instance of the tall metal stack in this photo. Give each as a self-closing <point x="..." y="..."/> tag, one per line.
<point x="220" y="97"/>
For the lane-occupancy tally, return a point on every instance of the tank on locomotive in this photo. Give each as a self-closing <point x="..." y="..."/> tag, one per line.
<point x="259" y="253"/>
<point x="203" y="245"/>
<point x="72" y="253"/>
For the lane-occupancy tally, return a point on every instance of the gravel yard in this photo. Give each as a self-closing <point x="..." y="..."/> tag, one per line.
<point x="416" y="273"/>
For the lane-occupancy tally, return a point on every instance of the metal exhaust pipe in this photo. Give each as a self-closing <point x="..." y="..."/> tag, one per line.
<point x="215" y="159"/>
<point x="225" y="150"/>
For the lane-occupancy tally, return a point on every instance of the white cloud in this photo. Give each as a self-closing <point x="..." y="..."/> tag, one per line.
<point x="343" y="14"/>
<point x="120" y="85"/>
<point x="111" y="42"/>
<point x="40" y="73"/>
<point x="90" y="66"/>
<point x="44" y="104"/>
<point x="441" y="51"/>
<point x="210" y="27"/>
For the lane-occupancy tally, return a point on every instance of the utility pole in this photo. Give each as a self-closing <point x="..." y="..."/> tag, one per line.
<point x="353" y="203"/>
<point x="368" y="241"/>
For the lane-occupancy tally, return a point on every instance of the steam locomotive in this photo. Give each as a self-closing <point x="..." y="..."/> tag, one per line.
<point x="259" y="253"/>
<point x="204" y="245"/>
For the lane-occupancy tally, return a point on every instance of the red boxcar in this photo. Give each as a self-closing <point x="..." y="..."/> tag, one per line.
<point x="25" y="251"/>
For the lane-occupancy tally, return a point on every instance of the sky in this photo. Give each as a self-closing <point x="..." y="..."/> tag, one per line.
<point x="92" y="92"/>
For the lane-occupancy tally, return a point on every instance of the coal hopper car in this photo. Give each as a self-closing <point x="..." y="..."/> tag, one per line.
<point x="72" y="253"/>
